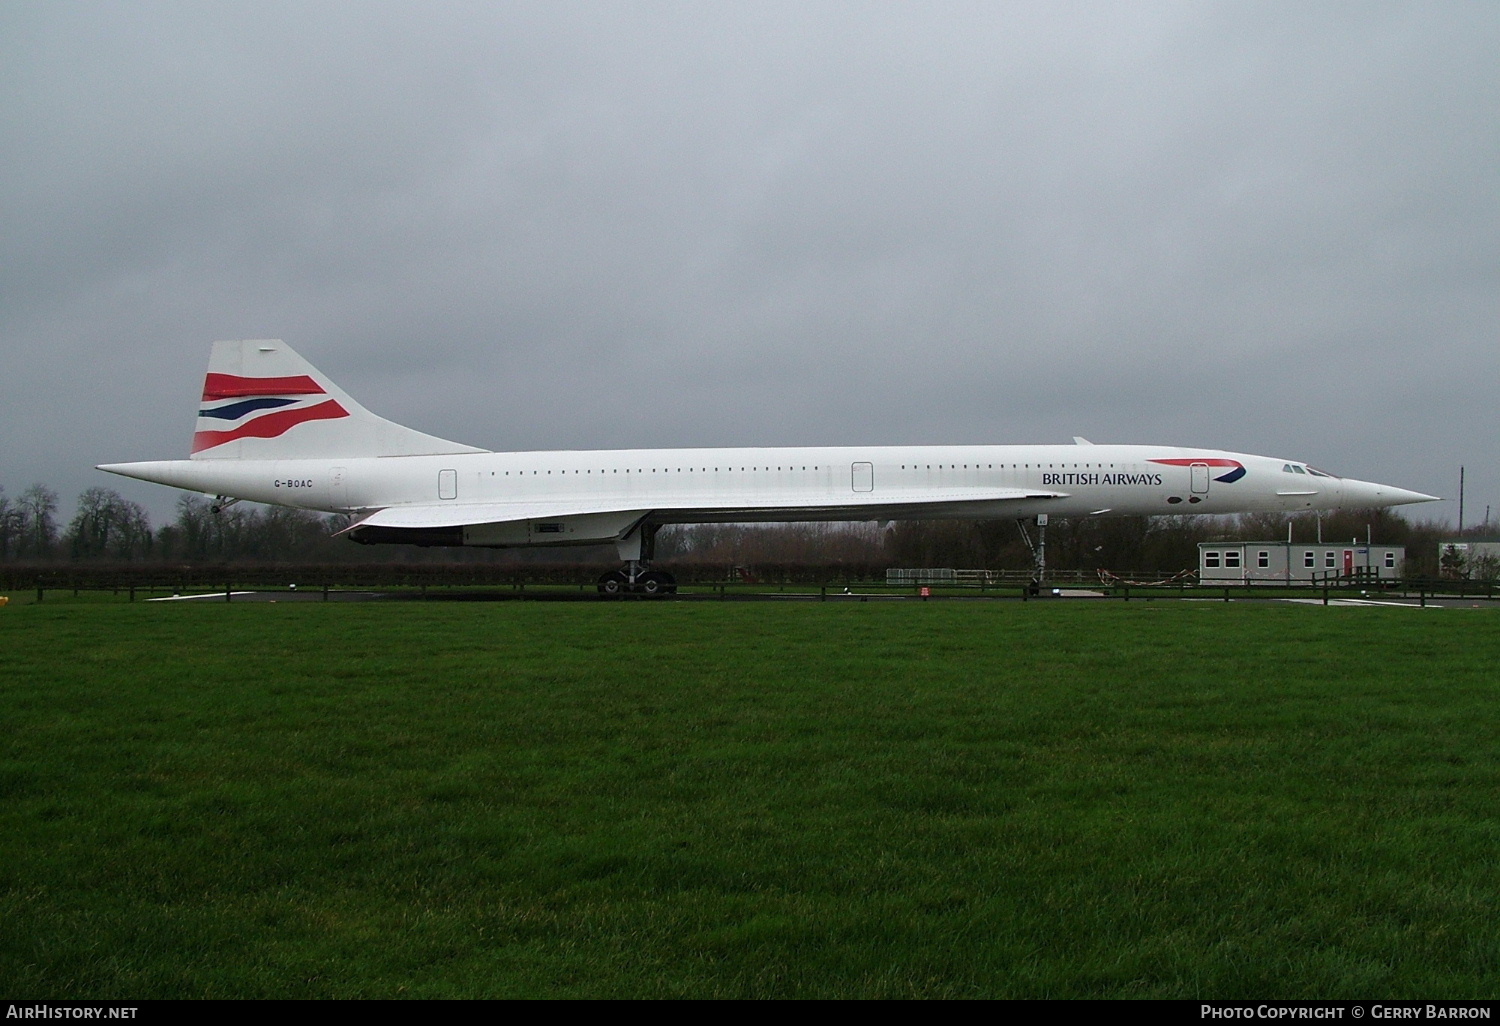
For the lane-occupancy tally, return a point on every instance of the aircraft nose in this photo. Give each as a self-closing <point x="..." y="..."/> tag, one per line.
<point x="1368" y="493"/>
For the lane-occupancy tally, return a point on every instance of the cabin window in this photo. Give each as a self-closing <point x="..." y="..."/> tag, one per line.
<point x="1309" y="559"/>
<point x="1211" y="560"/>
<point x="1263" y="559"/>
<point x="1232" y="559"/>
<point x="1390" y="561"/>
<point x="1328" y="558"/>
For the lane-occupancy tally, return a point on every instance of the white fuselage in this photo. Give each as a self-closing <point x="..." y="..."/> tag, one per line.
<point x="815" y="483"/>
<point x="273" y="428"/>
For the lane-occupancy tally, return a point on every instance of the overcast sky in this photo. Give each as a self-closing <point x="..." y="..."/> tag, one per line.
<point x="1264" y="227"/>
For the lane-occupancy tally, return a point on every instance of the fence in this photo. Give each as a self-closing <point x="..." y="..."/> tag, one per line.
<point x="147" y="580"/>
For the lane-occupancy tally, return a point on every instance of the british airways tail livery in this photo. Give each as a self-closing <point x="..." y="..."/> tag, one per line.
<point x="255" y="395"/>
<point x="272" y="428"/>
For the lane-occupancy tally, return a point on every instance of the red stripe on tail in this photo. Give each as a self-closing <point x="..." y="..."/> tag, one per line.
<point x="271" y="425"/>
<point x="232" y="386"/>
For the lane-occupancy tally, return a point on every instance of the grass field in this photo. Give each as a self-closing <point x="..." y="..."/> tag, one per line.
<point x="748" y="800"/>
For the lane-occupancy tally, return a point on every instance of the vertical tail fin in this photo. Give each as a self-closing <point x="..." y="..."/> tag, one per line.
<point x="262" y="401"/>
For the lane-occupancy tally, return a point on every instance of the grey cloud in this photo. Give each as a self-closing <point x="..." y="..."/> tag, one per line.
<point x="1267" y="227"/>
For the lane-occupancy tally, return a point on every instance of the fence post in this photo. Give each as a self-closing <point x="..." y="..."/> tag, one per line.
<point x="228" y="591"/>
<point x="132" y="591"/>
<point x="39" y="589"/>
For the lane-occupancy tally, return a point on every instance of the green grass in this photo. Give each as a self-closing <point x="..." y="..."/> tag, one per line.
<point x="762" y="800"/>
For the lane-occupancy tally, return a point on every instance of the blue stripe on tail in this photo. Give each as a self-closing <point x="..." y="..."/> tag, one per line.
<point x="234" y="411"/>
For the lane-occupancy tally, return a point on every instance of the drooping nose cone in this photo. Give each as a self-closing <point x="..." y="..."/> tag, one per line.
<point x="1368" y="494"/>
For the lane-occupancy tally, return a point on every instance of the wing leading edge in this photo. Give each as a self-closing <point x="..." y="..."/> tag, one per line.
<point x="668" y="509"/>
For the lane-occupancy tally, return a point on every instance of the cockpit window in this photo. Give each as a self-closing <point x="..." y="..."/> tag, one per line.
<point x="1286" y="468"/>
<point x="1315" y="472"/>
<point x="1297" y="470"/>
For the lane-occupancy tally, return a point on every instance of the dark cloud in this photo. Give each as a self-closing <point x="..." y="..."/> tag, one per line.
<point x="1266" y="227"/>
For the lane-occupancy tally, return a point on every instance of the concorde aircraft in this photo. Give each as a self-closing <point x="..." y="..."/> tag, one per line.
<point x="272" y="428"/>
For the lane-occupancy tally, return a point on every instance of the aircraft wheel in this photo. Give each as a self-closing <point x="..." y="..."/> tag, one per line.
<point x="613" y="584"/>
<point x="652" y="584"/>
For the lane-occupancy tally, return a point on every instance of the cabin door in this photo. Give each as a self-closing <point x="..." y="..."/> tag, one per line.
<point x="447" y="484"/>
<point x="863" y="477"/>
<point x="1200" y="478"/>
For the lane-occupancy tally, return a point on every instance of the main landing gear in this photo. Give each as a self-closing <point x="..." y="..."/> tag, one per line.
<point x="637" y="548"/>
<point x="634" y="581"/>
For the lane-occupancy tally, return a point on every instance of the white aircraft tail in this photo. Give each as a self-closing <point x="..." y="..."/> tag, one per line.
<point x="261" y="401"/>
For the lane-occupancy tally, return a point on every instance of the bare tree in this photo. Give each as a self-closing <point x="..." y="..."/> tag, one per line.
<point x="133" y="536"/>
<point x="1484" y="567"/>
<point x="108" y="525"/>
<point x="38" y="531"/>
<point x="192" y="535"/>
<point x="10" y="525"/>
